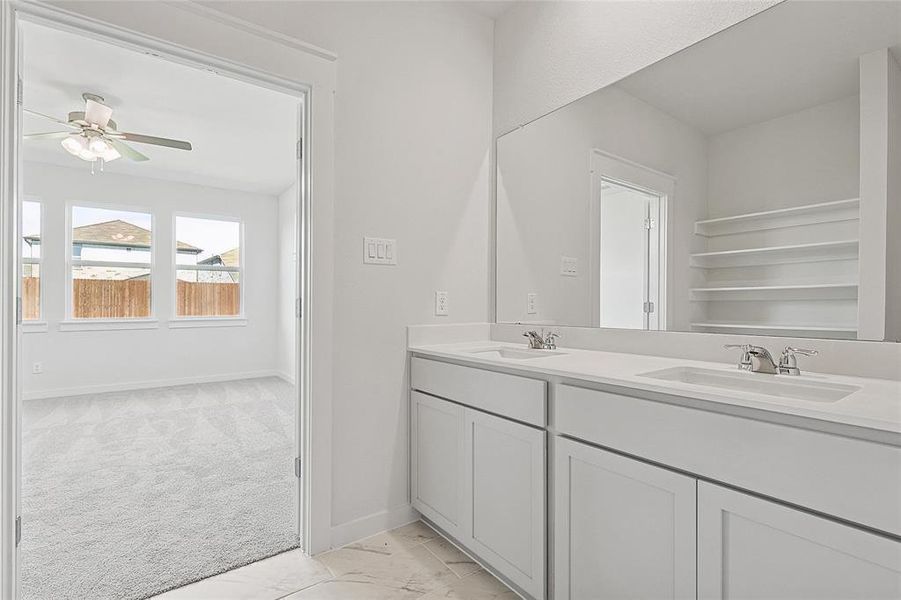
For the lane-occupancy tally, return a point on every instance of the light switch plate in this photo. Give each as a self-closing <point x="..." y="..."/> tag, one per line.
<point x="441" y="304"/>
<point x="569" y="266"/>
<point x="531" y="304"/>
<point x="379" y="251"/>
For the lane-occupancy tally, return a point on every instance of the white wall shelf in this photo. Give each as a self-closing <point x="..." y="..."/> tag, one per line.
<point x="774" y="255"/>
<point x="817" y="291"/>
<point x="810" y="214"/>
<point x="840" y="331"/>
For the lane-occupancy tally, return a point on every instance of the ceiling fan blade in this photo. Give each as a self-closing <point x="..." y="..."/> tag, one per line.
<point x="156" y="141"/>
<point x="126" y="150"/>
<point x="54" y="119"/>
<point x="50" y="135"/>
<point x="96" y="113"/>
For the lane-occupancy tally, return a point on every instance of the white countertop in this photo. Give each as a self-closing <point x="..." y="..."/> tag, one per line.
<point x="875" y="406"/>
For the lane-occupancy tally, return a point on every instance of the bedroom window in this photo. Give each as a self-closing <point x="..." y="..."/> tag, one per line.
<point x="208" y="263"/>
<point x="110" y="263"/>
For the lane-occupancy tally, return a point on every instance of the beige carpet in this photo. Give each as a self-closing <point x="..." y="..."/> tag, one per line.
<point x="129" y="494"/>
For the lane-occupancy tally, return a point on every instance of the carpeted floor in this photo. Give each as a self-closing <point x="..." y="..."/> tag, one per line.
<point x="129" y="494"/>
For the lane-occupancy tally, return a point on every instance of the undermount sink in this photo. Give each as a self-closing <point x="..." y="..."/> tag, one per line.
<point x="781" y="386"/>
<point x="513" y="353"/>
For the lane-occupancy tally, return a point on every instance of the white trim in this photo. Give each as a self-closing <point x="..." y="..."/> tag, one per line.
<point x="145" y="385"/>
<point x="10" y="335"/>
<point x="369" y="525"/>
<point x="608" y="166"/>
<point x="286" y="377"/>
<point x="107" y="324"/>
<point x="258" y="30"/>
<point x="34" y="326"/>
<point x="191" y="322"/>
<point x="33" y="261"/>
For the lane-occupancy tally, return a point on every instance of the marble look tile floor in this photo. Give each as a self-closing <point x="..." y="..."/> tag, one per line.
<point x="407" y="563"/>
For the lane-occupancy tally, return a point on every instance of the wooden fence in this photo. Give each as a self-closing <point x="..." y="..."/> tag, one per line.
<point x="110" y="298"/>
<point x="31" y="298"/>
<point x="130" y="298"/>
<point x="199" y="299"/>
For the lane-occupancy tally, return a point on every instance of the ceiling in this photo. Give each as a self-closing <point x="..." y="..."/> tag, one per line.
<point x="243" y="136"/>
<point x="789" y="57"/>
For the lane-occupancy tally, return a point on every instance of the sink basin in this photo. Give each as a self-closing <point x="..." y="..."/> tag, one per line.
<point x="513" y="353"/>
<point x="782" y="386"/>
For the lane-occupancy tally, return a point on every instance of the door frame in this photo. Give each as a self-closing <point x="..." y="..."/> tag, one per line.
<point x="606" y="166"/>
<point x="314" y="226"/>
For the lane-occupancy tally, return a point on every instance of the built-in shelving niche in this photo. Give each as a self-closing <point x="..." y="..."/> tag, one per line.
<point x="791" y="271"/>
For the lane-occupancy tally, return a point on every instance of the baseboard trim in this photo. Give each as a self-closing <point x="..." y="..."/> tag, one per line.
<point x="128" y="386"/>
<point x="285" y="377"/>
<point x="364" y="527"/>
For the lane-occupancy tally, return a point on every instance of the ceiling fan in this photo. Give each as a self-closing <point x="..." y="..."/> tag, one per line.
<point x="94" y="136"/>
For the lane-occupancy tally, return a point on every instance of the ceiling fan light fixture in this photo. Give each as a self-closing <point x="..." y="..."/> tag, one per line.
<point x="90" y="148"/>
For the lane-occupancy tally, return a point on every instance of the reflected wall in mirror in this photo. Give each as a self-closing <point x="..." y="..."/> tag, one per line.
<point x="748" y="184"/>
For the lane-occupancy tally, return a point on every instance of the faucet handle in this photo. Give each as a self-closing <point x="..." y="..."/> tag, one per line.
<point x="788" y="362"/>
<point x="744" y="362"/>
<point x="550" y="340"/>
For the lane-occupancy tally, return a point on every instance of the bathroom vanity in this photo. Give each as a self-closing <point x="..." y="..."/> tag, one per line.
<point x="578" y="474"/>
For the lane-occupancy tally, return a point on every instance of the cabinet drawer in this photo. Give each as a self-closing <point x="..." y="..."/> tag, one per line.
<point x="850" y="479"/>
<point x="518" y="398"/>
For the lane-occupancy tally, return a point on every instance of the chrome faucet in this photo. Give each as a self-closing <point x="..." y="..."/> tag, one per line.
<point x="535" y="340"/>
<point x="762" y="361"/>
<point x="540" y="341"/>
<point x="758" y="359"/>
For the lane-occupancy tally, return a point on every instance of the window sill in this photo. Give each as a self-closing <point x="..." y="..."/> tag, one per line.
<point x="34" y="327"/>
<point x="107" y="324"/>
<point x="189" y="322"/>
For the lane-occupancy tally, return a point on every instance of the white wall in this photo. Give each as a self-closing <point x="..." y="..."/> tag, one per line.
<point x="550" y="53"/>
<point x="287" y="283"/>
<point x="412" y="134"/>
<point x="805" y="157"/>
<point x="85" y="361"/>
<point x="544" y="202"/>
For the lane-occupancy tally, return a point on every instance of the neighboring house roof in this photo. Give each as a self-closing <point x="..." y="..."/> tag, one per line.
<point x="116" y="234"/>
<point x="229" y="258"/>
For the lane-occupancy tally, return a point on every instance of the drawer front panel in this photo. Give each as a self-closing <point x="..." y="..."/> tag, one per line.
<point x="850" y="479"/>
<point x="511" y="396"/>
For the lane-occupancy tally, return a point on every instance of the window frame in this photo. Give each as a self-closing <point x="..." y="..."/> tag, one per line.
<point x="39" y="324"/>
<point x="73" y="323"/>
<point x="184" y="321"/>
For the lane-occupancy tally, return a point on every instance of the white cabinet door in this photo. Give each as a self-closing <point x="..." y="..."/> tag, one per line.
<point x="437" y="462"/>
<point x="505" y="482"/>
<point x="622" y="529"/>
<point x="751" y="548"/>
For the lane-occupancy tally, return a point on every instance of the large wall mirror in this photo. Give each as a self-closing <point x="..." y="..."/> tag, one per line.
<point x="748" y="184"/>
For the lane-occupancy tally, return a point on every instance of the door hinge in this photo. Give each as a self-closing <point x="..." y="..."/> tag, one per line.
<point x="18" y="530"/>
<point x="650" y="223"/>
<point x="20" y="93"/>
<point x="298" y="308"/>
<point x="18" y="310"/>
<point x="300" y="149"/>
<point x="297" y="470"/>
<point x="648" y="307"/>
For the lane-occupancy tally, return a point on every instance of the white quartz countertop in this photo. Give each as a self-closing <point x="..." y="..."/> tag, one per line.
<point x="875" y="406"/>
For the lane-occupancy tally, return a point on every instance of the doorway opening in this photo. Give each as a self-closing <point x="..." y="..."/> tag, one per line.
<point x="629" y="210"/>
<point x="159" y="358"/>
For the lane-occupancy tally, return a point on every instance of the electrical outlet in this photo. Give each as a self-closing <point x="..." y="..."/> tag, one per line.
<point x="569" y="266"/>
<point x="532" y="304"/>
<point x="441" y="304"/>
<point x="37" y="368"/>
